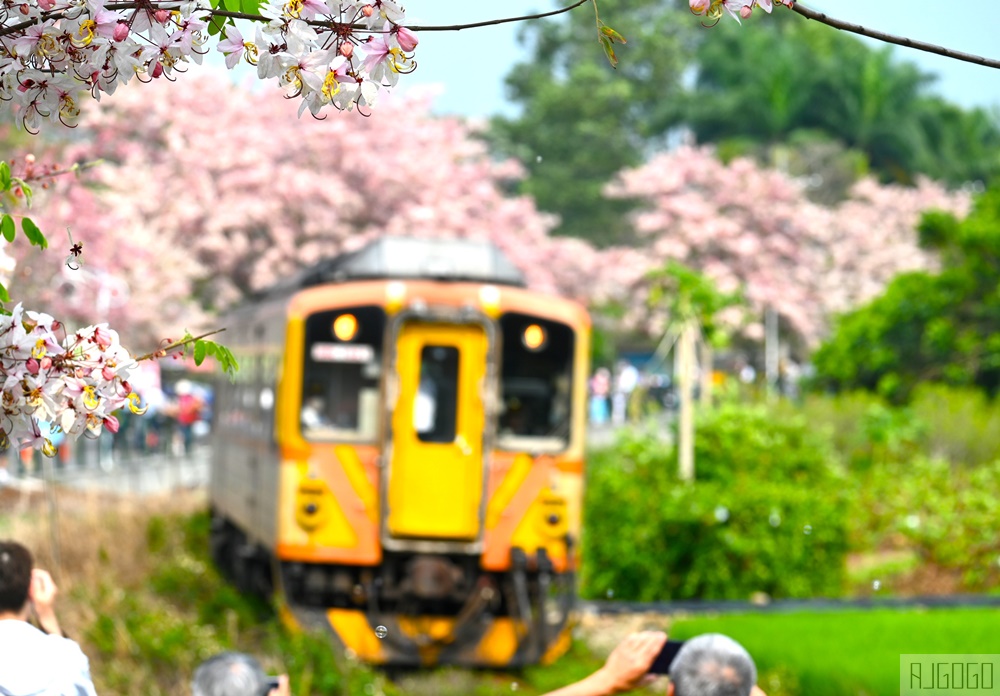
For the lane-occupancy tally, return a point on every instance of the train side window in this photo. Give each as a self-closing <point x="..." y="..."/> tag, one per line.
<point x="435" y="409"/>
<point x="535" y="383"/>
<point x="343" y="361"/>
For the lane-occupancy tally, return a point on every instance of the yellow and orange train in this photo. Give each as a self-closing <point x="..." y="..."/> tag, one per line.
<point x="401" y="454"/>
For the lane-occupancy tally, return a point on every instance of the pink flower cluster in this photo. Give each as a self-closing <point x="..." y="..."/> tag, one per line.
<point x="56" y="53"/>
<point x="328" y="52"/>
<point x="737" y="9"/>
<point x="74" y="385"/>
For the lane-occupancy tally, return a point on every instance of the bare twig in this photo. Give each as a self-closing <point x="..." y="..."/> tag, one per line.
<point x="161" y="352"/>
<point x="893" y="39"/>
<point x="75" y="169"/>
<point x="491" y="22"/>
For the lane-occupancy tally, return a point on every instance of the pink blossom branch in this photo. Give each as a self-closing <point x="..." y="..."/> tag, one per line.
<point x="893" y="39"/>
<point x="441" y="27"/>
<point x="140" y="4"/>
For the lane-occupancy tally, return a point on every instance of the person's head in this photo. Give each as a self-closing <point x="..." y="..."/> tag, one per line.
<point x="15" y="576"/>
<point x="183" y="388"/>
<point x="229" y="674"/>
<point x="712" y="665"/>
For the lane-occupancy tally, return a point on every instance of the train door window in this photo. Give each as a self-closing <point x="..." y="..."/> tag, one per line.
<point x="535" y="383"/>
<point x="435" y="409"/>
<point x="341" y="376"/>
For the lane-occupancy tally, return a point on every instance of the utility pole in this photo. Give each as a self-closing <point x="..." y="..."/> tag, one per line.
<point x="685" y="364"/>
<point x="771" y="348"/>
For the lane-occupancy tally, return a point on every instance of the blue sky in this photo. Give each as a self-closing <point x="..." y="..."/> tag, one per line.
<point x="468" y="67"/>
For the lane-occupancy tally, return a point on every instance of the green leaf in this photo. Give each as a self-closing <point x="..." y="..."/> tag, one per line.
<point x="7" y="228"/>
<point x="250" y="6"/>
<point x="228" y="361"/>
<point x="608" y="38"/>
<point x="199" y="352"/>
<point x="34" y="234"/>
<point x="5" y="179"/>
<point x="613" y="35"/>
<point x="608" y="50"/>
<point x="4" y="295"/>
<point x="217" y="24"/>
<point x="225" y="358"/>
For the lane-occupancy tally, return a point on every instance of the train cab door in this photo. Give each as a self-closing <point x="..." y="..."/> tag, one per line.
<point x="435" y="478"/>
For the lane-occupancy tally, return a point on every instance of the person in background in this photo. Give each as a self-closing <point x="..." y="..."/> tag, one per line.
<point x="626" y="380"/>
<point x="600" y="388"/>
<point x="314" y="414"/>
<point x="708" y="665"/>
<point x="35" y="661"/>
<point x="189" y="408"/>
<point x="235" y="674"/>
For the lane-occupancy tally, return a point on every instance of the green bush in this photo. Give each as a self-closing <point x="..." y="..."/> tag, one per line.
<point x="947" y="514"/>
<point x="863" y="429"/>
<point x="962" y="424"/>
<point x="766" y="513"/>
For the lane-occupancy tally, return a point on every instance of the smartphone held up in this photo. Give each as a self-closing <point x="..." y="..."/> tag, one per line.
<point x="661" y="665"/>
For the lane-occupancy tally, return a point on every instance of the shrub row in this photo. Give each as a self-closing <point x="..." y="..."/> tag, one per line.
<point x="766" y="513"/>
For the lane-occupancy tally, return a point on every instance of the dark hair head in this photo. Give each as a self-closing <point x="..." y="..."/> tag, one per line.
<point x="15" y="575"/>
<point x="713" y="665"/>
<point x="229" y="674"/>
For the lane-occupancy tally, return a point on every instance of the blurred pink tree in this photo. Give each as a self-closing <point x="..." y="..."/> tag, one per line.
<point x="215" y="192"/>
<point x="753" y="229"/>
<point x="278" y="193"/>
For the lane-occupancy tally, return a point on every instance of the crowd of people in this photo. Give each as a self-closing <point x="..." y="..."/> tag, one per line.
<point x="175" y="418"/>
<point x="615" y="394"/>
<point x="618" y="395"/>
<point x="38" y="659"/>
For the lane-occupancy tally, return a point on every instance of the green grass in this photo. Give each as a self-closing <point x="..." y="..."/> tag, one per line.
<point x="851" y="653"/>
<point x="148" y="606"/>
<point x="449" y="681"/>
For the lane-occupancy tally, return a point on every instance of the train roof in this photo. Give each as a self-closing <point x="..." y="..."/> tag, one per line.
<point x="404" y="258"/>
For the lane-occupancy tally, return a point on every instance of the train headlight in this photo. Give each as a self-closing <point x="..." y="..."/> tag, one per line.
<point x="489" y="300"/>
<point x="345" y="327"/>
<point x="311" y="510"/>
<point x="534" y="337"/>
<point x="553" y="516"/>
<point x="395" y="294"/>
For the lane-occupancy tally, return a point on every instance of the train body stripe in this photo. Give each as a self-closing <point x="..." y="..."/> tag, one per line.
<point x="497" y="555"/>
<point x="332" y="472"/>
<point x="355" y="472"/>
<point x="515" y="477"/>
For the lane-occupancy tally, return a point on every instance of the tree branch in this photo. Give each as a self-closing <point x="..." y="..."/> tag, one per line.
<point x="891" y="38"/>
<point x="161" y="352"/>
<point x="139" y="4"/>
<point x="491" y="22"/>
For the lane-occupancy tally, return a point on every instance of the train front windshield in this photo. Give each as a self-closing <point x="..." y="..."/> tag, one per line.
<point x="535" y="383"/>
<point x="342" y="369"/>
<point x="342" y="373"/>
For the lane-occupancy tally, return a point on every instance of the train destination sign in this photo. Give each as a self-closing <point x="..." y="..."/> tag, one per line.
<point x="341" y="353"/>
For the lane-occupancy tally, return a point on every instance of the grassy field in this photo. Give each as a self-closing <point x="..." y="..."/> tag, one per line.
<point x="141" y="596"/>
<point x="851" y="653"/>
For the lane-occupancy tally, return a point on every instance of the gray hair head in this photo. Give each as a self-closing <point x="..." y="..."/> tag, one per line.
<point x="713" y="665"/>
<point x="229" y="674"/>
